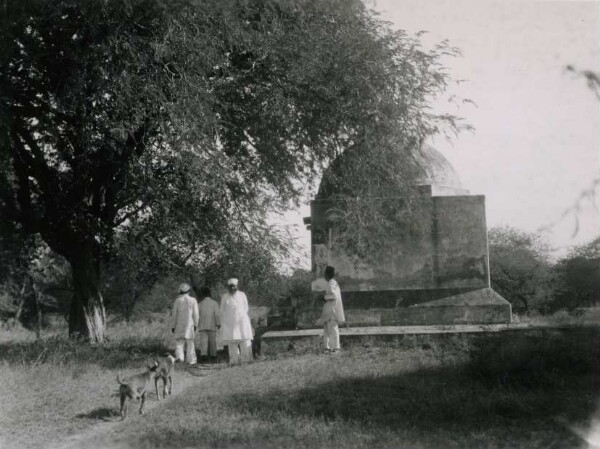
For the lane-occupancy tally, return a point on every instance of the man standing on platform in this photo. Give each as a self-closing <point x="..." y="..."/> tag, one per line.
<point x="236" y="330"/>
<point x="333" y="312"/>
<point x="184" y="323"/>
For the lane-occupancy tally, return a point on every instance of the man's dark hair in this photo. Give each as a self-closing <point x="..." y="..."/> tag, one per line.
<point x="204" y="292"/>
<point x="329" y="271"/>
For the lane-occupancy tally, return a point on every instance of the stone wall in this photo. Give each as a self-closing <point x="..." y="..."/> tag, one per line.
<point x="449" y="251"/>
<point x="435" y="272"/>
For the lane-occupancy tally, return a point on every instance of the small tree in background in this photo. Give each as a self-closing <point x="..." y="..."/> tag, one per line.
<point x="579" y="273"/>
<point x="32" y="279"/>
<point x="521" y="268"/>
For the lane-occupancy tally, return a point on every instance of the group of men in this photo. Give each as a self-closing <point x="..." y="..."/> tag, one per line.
<point x="233" y="320"/>
<point x="206" y="317"/>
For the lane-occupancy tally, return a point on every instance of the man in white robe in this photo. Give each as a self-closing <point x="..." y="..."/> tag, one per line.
<point x="236" y="330"/>
<point x="333" y="312"/>
<point x="184" y="321"/>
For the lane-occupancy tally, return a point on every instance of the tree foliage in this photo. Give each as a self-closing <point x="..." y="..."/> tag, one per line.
<point x="181" y="122"/>
<point x="579" y="273"/>
<point x="521" y="269"/>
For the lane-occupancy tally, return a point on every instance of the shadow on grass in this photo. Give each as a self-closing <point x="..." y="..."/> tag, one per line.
<point x="202" y="370"/>
<point x="514" y="389"/>
<point x="431" y="408"/>
<point x="100" y="414"/>
<point x="515" y="392"/>
<point x="442" y="399"/>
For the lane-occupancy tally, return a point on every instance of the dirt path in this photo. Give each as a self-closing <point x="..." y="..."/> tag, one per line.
<point x="186" y="377"/>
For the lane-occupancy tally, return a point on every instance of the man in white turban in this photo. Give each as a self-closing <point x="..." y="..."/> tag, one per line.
<point x="184" y="321"/>
<point x="333" y="312"/>
<point x="236" y="330"/>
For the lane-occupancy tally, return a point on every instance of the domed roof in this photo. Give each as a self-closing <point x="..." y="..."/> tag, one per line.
<point x="428" y="167"/>
<point x="435" y="170"/>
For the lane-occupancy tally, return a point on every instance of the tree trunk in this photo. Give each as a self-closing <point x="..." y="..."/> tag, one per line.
<point x="87" y="317"/>
<point x="38" y="310"/>
<point x="17" y="317"/>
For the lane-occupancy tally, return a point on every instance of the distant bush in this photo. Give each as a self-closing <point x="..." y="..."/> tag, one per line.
<point x="521" y="268"/>
<point x="579" y="274"/>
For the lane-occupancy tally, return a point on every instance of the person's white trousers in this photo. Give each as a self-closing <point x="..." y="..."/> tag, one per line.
<point x="331" y="335"/>
<point x="190" y="350"/>
<point x="240" y="349"/>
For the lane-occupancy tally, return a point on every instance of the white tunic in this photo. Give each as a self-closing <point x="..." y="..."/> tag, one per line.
<point x="235" y="321"/>
<point x="184" y="316"/>
<point x="333" y="308"/>
<point x="209" y="315"/>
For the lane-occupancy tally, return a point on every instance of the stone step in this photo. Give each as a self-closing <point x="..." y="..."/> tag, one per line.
<point x="311" y="340"/>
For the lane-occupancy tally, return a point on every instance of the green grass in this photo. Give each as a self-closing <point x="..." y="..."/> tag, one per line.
<point x="501" y="393"/>
<point x="361" y="399"/>
<point x="55" y="387"/>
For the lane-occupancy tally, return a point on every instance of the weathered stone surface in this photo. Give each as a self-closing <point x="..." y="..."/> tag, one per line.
<point x="464" y="307"/>
<point x="258" y="316"/>
<point x="450" y="251"/>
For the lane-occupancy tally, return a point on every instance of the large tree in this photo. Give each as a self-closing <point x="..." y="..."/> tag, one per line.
<point x="183" y="121"/>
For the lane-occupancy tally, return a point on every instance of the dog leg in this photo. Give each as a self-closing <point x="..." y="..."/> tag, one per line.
<point x="156" y="386"/>
<point x="123" y="407"/>
<point x="170" y="385"/>
<point x="142" y="404"/>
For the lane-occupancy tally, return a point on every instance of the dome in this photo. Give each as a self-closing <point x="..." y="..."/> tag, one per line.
<point x="435" y="170"/>
<point x="428" y="167"/>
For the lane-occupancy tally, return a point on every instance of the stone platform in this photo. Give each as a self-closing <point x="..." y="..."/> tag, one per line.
<point x="410" y="337"/>
<point x="412" y="308"/>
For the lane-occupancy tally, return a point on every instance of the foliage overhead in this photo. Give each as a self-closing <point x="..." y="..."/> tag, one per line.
<point x="160" y="112"/>
<point x="177" y="124"/>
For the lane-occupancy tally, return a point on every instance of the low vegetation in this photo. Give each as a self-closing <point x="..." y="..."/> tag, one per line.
<point x="503" y="392"/>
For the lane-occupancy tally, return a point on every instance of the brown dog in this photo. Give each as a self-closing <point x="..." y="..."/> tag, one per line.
<point x="165" y="373"/>
<point x="136" y="387"/>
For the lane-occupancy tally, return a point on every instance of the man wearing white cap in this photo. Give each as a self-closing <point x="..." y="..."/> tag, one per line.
<point x="236" y="330"/>
<point x="184" y="321"/>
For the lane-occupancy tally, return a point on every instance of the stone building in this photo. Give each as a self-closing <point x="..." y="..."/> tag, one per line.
<point x="439" y="275"/>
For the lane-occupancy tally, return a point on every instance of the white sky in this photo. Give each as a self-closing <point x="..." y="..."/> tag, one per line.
<point x="536" y="145"/>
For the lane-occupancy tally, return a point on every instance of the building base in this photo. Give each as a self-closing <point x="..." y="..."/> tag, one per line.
<point x="481" y="306"/>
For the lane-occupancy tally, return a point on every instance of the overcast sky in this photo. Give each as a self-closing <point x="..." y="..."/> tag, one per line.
<point x="536" y="144"/>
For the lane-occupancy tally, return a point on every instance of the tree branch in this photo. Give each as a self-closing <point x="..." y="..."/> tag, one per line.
<point x="25" y="212"/>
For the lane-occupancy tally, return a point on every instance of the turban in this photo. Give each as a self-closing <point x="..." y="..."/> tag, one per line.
<point x="232" y="281"/>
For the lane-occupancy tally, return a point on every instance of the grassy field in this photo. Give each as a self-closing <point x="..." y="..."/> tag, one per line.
<point x="513" y="394"/>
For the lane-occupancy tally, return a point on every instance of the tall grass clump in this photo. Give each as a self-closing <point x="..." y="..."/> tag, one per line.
<point x="133" y="344"/>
